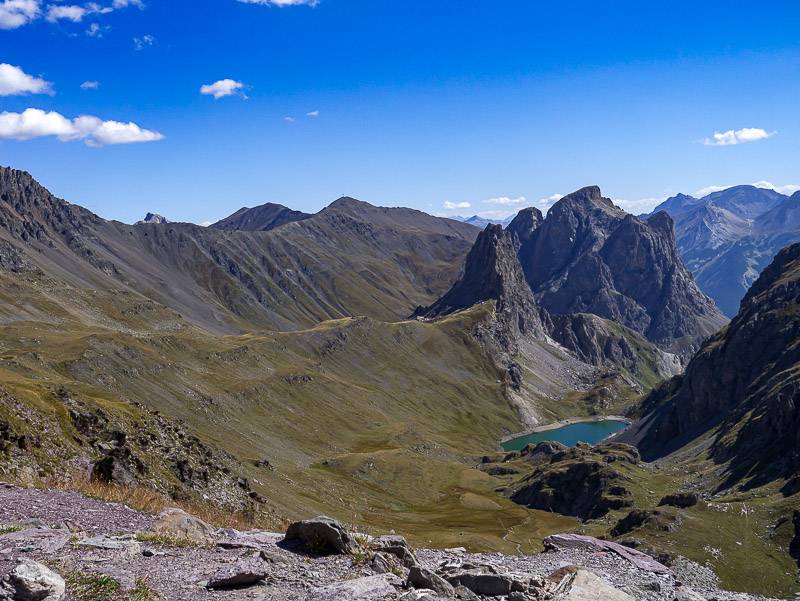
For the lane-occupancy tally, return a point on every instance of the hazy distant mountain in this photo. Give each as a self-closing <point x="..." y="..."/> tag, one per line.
<point x="261" y="218"/>
<point x="482" y="222"/>
<point x="726" y="238"/>
<point x="153" y="218"/>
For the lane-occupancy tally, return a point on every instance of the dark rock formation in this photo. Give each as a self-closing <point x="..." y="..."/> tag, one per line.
<point x="682" y="500"/>
<point x="654" y="519"/>
<point x="322" y="536"/>
<point x="741" y="389"/>
<point x="492" y="272"/>
<point x="581" y="481"/>
<point x="589" y="256"/>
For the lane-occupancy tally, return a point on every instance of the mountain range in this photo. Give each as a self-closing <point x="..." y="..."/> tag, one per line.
<point x="728" y="237"/>
<point x="365" y="362"/>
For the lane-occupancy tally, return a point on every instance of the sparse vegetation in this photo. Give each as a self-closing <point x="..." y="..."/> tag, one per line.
<point x="86" y="586"/>
<point x="165" y="540"/>
<point x="142" y="592"/>
<point x="8" y="529"/>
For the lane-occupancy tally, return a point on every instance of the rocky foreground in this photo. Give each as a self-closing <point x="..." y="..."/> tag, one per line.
<point x="63" y="546"/>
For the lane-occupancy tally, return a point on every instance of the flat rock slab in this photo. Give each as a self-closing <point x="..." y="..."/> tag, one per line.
<point x="368" y="588"/>
<point x="588" y="587"/>
<point x="589" y="543"/>
<point x="126" y="544"/>
<point x="47" y="541"/>
<point x="228" y="538"/>
<point x="245" y="572"/>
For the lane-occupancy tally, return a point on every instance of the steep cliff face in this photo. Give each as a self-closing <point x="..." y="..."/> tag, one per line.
<point x="742" y="389"/>
<point x="589" y="256"/>
<point x="492" y="272"/>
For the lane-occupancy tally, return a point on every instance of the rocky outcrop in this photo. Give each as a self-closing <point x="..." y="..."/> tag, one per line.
<point x="492" y="272"/>
<point x="580" y="481"/>
<point x="740" y="390"/>
<point x="589" y="256"/>
<point x="153" y="218"/>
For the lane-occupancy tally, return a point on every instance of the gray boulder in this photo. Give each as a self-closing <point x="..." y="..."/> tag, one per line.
<point x="395" y="545"/>
<point x="322" y="536"/>
<point x="420" y="577"/>
<point x="31" y="581"/>
<point x="179" y="524"/>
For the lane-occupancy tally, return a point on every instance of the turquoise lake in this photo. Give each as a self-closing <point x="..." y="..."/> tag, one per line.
<point x="590" y="432"/>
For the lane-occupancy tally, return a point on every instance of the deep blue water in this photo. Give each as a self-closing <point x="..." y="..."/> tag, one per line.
<point x="590" y="432"/>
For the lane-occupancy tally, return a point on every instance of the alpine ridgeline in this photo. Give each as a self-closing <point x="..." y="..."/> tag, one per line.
<point x="727" y="237"/>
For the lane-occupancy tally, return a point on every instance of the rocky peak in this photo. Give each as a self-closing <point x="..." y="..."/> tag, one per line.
<point x="589" y="256"/>
<point x="525" y="223"/>
<point x="153" y="218"/>
<point x="492" y="272"/>
<point x="261" y="218"/>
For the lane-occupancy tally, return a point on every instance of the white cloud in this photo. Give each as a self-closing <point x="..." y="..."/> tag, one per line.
<point x="143" y="42"/>
<point x="205" y="223"/>
<point x="223" y="87"/>
<point x="312" y="114"/>
<point x="456" y="205"/>
<point x="15" y="82"/>
<point x="16" y="13"/>
<point x="638" y="206"/>
<point x="289" y="119"/>
<point x="36" y="123"/>
<point x="787" y="189"/>
<point x="90" y="85"/>
<point x="70" y="12"/>
<point x="505" y="200"/>
<point x="281" y="2"/>
<point x="739" y="136"/>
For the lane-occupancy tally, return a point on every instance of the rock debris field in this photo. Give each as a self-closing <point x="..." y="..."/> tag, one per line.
<point x="58" y="545"/>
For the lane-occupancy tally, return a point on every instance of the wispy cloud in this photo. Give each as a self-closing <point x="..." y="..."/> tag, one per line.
<point x="16" y="13"/>
<point x="15" y="82"/>
<point x="505" y="200"/>
<point x="456" y="205"/>
<point x="313" y="114"/>
<point x="738" y="136"/>
<point x="289" y="119"/>
<point x="36" y="123"/>
<point x="222" y="88"/>
<point x="90" y="85"/>
<point x="144" y="41"/>
<point x="281" y="2"/>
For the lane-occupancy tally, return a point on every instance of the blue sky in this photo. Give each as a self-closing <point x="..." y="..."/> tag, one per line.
<point x="424" y="104"/>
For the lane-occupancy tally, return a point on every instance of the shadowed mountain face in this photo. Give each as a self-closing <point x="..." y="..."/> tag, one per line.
<point x="589" y="256"/>
<point x="349" y="259"/>
<point x="261" y="218"/>
<point x="741" y="389"/>
<point x="727" y="238"/>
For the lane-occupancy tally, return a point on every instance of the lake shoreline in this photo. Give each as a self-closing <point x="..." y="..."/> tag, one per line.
<point x="565" y="422"/>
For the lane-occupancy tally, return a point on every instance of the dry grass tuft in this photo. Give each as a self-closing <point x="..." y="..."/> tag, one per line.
<point x="153" y="502"/>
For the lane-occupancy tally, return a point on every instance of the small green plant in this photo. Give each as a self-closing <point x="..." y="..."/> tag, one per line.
<point x="91" y="587"/>
<point x="8" y="529"/>
<point x="142" y="592"/>
<point x="165" y="540"/>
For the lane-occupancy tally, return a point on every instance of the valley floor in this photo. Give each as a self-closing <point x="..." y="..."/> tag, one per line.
<point x="85" y="539"/>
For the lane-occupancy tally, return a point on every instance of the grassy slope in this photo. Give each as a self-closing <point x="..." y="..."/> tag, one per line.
<point x="377" y="423"/>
